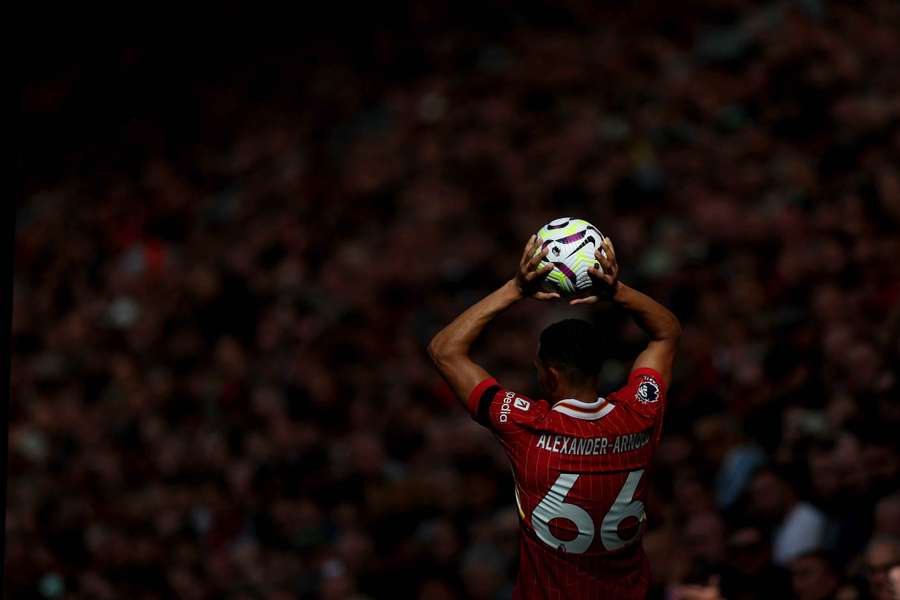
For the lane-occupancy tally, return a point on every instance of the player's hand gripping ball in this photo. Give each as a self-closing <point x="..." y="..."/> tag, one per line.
<point x="571" y="244"/>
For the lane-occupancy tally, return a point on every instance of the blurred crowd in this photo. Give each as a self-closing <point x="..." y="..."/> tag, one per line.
<point x="218" y="380"/>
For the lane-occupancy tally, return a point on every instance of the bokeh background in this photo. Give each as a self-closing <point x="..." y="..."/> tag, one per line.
<point x="229" y="260"/>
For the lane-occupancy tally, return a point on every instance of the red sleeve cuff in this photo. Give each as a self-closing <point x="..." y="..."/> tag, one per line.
<point x="476" y="393"/>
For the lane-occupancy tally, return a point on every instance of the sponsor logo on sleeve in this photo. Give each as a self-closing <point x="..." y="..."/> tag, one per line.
<point x="647" y="390"/>
<point x="509" y="400"/>
<point x="504" y="407"/>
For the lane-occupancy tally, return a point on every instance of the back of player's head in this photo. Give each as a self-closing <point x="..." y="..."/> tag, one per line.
<point x="572" y="346"/>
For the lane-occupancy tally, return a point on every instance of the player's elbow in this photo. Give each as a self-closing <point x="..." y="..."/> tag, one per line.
<point x="439" y="349"/>
<point x="443" y="349"/>
<point x="671" y="330"/>
<point x="675" y="331"/>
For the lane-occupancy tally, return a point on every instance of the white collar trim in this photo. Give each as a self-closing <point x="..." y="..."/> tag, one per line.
<point x="586" y="411"/>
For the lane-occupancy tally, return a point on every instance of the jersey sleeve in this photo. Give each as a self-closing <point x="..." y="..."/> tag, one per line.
<point x="645" y="392"/>
<point x="502" y="410"/>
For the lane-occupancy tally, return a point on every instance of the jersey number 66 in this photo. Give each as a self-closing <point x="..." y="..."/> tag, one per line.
<point x="554" y="506"/>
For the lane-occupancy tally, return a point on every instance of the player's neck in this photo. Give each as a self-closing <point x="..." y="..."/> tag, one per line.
<point x="584" y="394"/>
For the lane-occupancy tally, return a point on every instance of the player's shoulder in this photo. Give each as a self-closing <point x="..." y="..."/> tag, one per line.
<point x="501" y="408"/>
<point x="645" y="390"/>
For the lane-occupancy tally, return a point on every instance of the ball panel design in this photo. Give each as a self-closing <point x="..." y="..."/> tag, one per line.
<point x="571" y="244"/>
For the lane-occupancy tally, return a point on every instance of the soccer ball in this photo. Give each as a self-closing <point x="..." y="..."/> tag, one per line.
<point x="571" y="243"/>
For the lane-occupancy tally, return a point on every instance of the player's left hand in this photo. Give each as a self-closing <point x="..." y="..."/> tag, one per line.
<point x="529" y="277"/>
<point x="606" y="278"/>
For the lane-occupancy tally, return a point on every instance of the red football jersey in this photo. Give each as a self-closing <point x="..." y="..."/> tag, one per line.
<point x="581" y="484"/>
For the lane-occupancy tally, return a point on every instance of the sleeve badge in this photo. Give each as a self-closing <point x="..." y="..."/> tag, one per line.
<point x="647" y="390"/>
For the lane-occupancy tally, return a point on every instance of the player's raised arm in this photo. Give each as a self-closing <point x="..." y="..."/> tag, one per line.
<point x="449" y="348"/>
<point x="658" y="321"/>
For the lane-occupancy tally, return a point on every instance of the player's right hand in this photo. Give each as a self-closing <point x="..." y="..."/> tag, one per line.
<point x="606" y="279"/>
<point x="529" y="277"/>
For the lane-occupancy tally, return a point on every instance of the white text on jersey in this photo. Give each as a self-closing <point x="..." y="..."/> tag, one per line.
<point x="563" y="444"/>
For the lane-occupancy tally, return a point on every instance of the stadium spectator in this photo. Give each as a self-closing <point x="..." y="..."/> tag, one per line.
<point x="882" y="555"/>
<point x="797" y="527"/>
<point x="887" y="516"/>
<point x="815" y="577"/>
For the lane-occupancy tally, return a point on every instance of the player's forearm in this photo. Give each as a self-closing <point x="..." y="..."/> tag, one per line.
<point x="457" y="337"/>
<point x="651" y="316"/>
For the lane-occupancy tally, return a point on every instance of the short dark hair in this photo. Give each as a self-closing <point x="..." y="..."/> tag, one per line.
<point x="573" y="345"/>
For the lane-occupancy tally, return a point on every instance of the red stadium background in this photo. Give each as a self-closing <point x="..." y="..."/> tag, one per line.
<point x="229" y="260"/>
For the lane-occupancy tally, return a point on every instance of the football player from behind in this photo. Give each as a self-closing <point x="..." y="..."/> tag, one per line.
<point x="580" y="461"/>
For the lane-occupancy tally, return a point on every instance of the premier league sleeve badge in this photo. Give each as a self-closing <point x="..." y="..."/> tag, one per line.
<point x="647" y="390"/>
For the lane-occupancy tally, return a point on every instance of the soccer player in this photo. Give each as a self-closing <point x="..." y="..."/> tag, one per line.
<point x="579" y="461"/>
